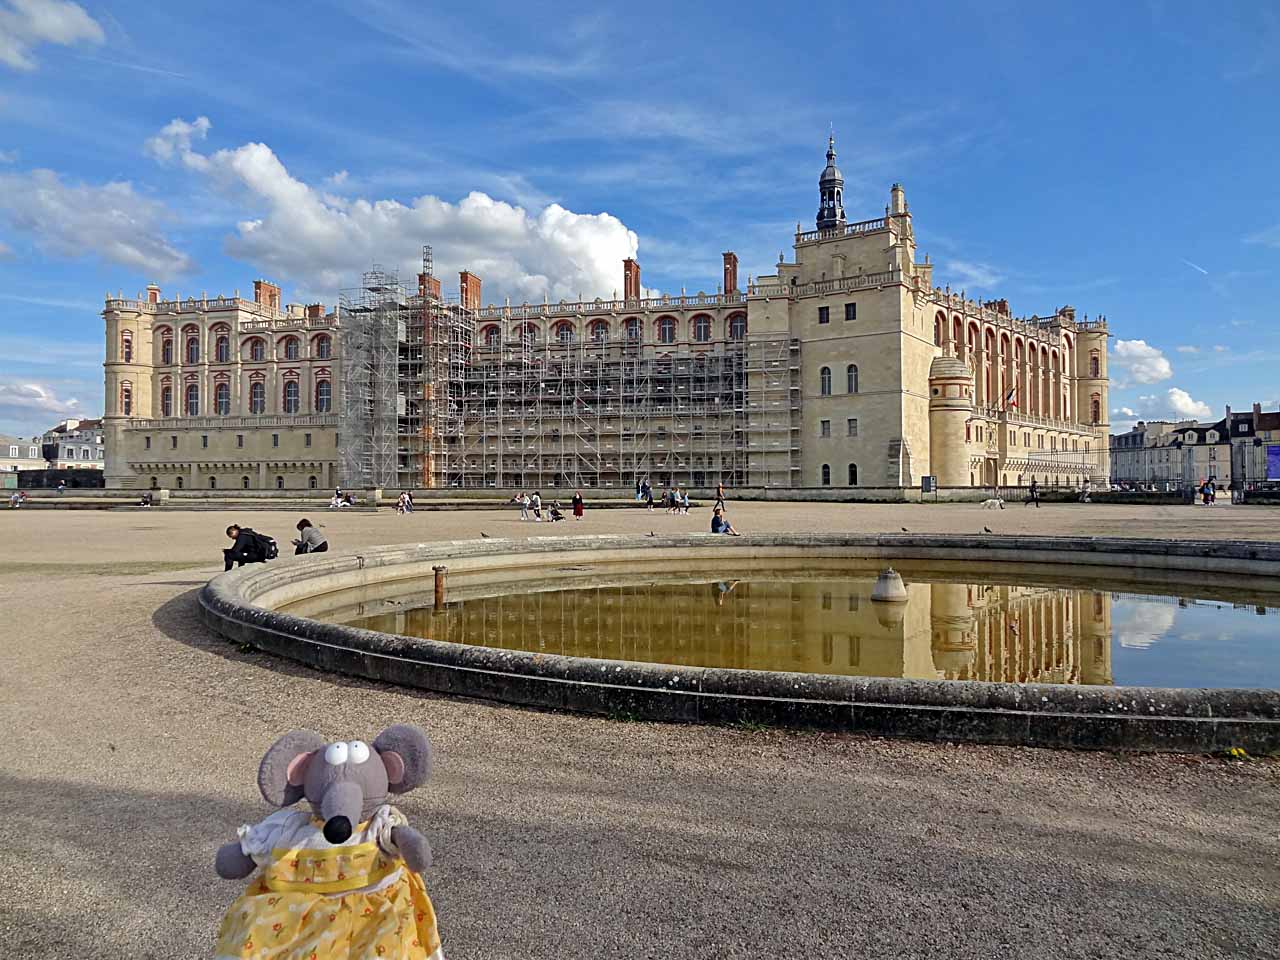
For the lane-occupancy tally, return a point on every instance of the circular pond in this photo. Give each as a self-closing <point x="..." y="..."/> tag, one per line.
<point x="1012" y="626"/>
<point x="1080" y="642"/>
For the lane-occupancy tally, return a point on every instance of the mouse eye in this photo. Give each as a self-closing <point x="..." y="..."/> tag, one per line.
<point x="335" y="754"/>
<point x="359" y="751"/>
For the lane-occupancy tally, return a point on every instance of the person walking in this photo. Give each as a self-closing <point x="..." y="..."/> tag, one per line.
<point x="684" y="501"/>
<point x="310" y="539"/>
<point x="1034" y="495"/>
<point x="720" y="494"/>
<point x="536" y="503"/>
<point x="523" y="500"/>
<point x="648" y="497"/>
<point x="638" y="494"/>
<point x="578" y="505"/>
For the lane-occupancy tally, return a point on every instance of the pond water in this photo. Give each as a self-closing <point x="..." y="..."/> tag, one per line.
<point x="957" y="628"/>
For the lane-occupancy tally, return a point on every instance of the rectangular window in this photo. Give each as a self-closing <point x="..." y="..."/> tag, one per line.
<point x="146" y="442"/>
<point x="307" y="439"/>
<point x="275" y="439"/>
<point x="852" y="425"/>
<point x="13" y="452"/>
<point x="824" y="428"/>
<point x="173" y="443"/>
<point x="239" y="439"/>
<point x="204" y="441"/>
<point x="824" y="314"/>
<point x="851" y="311"/>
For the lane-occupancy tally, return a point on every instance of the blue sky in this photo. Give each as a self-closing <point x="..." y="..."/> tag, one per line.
<point x="1118" y="157"/>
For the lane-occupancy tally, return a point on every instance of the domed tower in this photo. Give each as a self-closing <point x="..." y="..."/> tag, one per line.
<point x="831" y="189"/>
<point x="950" y="407"/>
<point x="952" y="622"/>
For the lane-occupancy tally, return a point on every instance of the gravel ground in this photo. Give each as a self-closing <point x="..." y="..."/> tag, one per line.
<point x="134" y="736"/>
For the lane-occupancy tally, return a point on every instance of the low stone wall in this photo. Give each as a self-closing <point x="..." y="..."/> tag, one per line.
<point x="243" y="606"/>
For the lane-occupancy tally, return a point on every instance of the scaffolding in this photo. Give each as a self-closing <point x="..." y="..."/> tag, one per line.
<point x="373" y="321"/>
<point x="609" y="413"/>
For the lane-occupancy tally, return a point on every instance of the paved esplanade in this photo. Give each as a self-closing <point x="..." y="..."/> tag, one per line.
<point x="132" y="737"/>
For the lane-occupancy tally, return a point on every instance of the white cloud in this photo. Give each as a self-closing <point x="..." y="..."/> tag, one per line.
<point x="1174" y="404"/>
<point x="969" y="275"/>
<point x="8" y="156"/>
<point x="26" y="23"/>
<point x="6" y="251"/>
<point x="1136" y="361"/>
<point x="110" y="221"/>
<point x="323" y="242"/>
<point x="26" y="401"/>
<point x="1268" y="238"/>
<point x="1137" y="624"/>
<point x="1219" y="348"/>
<point x="1187" y="349"/>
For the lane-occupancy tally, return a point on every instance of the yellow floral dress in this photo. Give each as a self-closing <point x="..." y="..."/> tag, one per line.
<point x="315" y="900"/>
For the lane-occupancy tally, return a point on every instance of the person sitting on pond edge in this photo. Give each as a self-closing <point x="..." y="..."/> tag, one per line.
<point x="310" y="539"/>
<point x="245" y="549"/>
<point x="720" y="525"/>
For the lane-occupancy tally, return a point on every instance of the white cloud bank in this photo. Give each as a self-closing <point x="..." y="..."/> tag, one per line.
<point x="33" y="403"/>
<point x="323" y="242"/>
<point x="1174" y="404"/>
<point x="1136" y="361"/>
<point x="25" y="24"/>
<point x="110" y="221"/>
<point x="969" y="275"/>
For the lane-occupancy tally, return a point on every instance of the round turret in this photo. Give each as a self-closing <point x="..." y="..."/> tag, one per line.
<point x="950" y="407"/>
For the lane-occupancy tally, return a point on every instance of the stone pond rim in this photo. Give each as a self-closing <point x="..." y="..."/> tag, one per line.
<point x="240" y="606"/>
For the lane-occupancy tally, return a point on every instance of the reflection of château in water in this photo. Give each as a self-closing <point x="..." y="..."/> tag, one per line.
<point x="953" y="631"/>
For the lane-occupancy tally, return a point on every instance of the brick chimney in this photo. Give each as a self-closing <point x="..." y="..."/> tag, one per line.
<point x="730" y="272"/>
<point x="428" y="286"/>
<point x="469" y="290"/>
<point x="153" y="293"/>
<point x="267" y="294"/>
<point x="315" y="311"/>
<point x="630" y="279"/>
<point x="1257" y="415"/>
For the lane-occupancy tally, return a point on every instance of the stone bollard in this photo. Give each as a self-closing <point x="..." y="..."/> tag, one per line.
<point x="889" y="587"/>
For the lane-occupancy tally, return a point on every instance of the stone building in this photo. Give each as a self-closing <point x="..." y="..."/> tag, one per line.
<point x="18" y="453"/>
<point x="845" y="367"/>
<point x="1241" y="447"/>
<point x="74" y="445"/>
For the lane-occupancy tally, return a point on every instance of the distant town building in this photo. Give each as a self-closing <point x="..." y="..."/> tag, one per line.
<point x="1243" y="447"/>
<point x="74" y="445"/>
<point x="18" y="453"/>
<point x="845" y="367"/>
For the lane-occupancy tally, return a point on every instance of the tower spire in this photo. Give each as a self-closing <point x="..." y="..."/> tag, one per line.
<point x="831" y="190"/>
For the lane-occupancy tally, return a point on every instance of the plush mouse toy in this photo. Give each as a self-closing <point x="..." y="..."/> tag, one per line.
<point x="342" y="879"/>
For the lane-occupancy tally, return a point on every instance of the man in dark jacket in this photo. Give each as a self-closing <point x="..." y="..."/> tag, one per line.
<point x="246" y="548"/>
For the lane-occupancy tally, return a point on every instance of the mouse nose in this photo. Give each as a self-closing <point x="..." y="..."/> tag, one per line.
<point x="337" y="829"/>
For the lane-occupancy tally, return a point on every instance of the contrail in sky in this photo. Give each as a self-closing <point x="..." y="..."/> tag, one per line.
<point x="1194" y="267"/>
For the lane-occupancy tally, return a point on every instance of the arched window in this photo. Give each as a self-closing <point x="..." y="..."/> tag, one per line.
<point x="312" y="483"/>
<point x="222" y="348"/>
<point x="324" y="396"/>
<point x="491" y="336"/>
<point x="702" y="328"/>
<point x="155" y="483"/>
<point x="851" y="378"/>
<point x="853" y="474"/>
<point x="939" y="324"/>
<point x="291" y="396"/>
<point x="126" y="398"/>
<point x="599" y="331"/>
<point x="222" y="399"/>
<point x="291" y="348"/>
<point x="826" y="474"/>
<point x="244" y="483"/>
<point x="738" y="326"/>
<point x="1094" y="365"/>
<point x="631" y="327"/>
<point x="177" y="481"/>
<point x="126" y="347"/>
<point x="166" y="401"/>
<point x="1095" y="408"/>
<point x="324" y="347"/>
<point x="257" y="397"/>
<point x="279" y="483"/>
<point x="257" y="349"/>
<point x="191" y="400"/>
<point x="824" y="381"/>
<point x="529" y="334"/>
<point x="193" y="349"/>
<point x="213" y="483"/>
<point x="565" y="332"/>
<point x="666" y="329"/>
<point x="166" y="351"/>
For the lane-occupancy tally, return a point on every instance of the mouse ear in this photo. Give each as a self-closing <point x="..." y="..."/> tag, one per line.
<point x="406" y="753"/>
<point x="284" y="766"/>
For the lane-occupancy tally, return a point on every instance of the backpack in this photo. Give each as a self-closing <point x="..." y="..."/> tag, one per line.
<point x="268" y="549"/>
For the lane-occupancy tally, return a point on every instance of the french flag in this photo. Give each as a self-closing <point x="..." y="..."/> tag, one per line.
<point x="1011" y="399"/>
